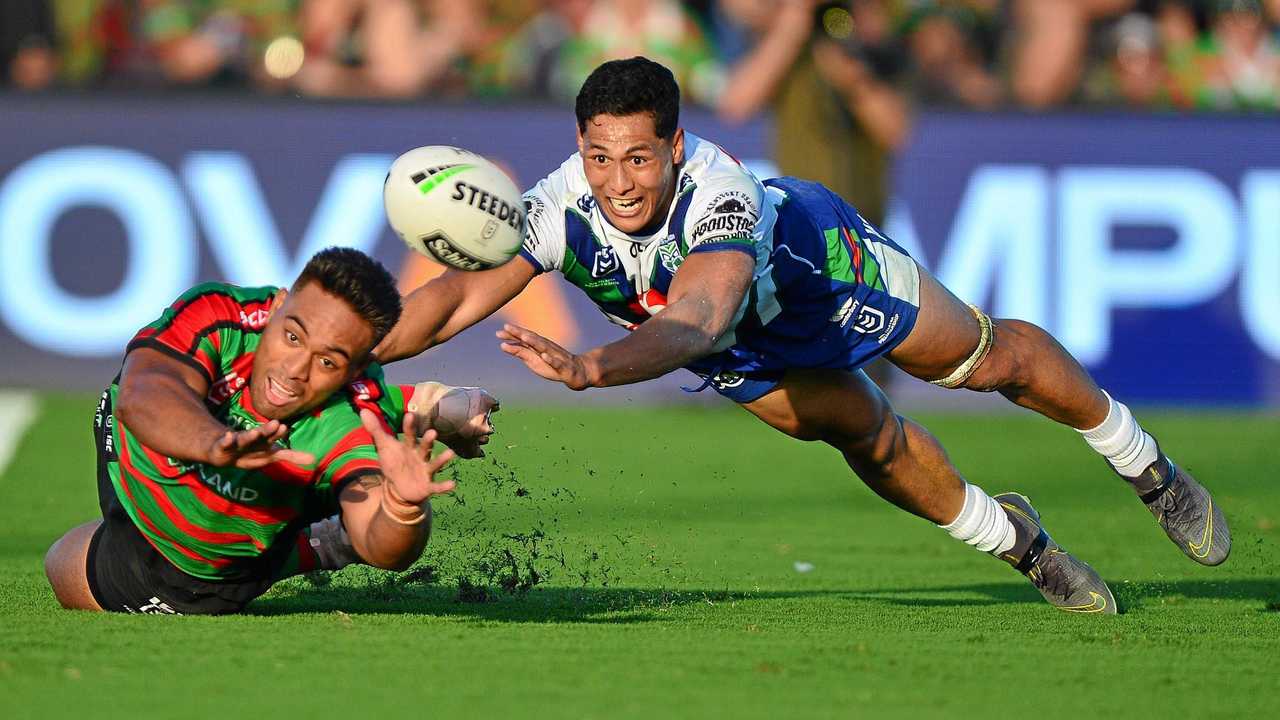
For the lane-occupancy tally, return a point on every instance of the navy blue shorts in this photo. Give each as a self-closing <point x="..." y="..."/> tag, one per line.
<point x="843" y="295"/>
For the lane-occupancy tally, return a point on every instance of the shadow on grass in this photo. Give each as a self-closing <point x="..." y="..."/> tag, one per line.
<point x="540" y="605"/>
<point x="634" y="605"/>
<point x="1130" y="595"/>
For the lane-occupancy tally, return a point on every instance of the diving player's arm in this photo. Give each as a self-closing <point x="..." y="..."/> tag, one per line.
<point x="161" y="401"/>
<point x="451" y="303"/>
<point x="388" y="515"/>
<point x="705" y="295"/>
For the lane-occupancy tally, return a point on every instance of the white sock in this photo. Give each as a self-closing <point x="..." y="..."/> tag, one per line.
<point x="1120" y="439"/>
<point x="982" y="523"/>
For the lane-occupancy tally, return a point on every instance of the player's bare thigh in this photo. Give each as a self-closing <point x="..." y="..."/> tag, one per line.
<point x="945" y="334"/>
<point x="836" y="406"/>
<point x="65" y="566"/>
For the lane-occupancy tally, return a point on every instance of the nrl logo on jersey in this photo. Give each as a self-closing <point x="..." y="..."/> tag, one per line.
<point x="669" y="254"/>
<point x="606" y="262"/>
<point x="586" y="204"/>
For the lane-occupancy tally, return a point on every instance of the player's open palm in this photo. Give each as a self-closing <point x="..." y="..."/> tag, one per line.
<point x="545" y="358"/>
<point x="256" y="448"/>
<point x="407" y="463"/>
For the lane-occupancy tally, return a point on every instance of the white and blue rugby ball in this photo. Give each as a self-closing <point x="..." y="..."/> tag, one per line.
<point x="455" y="207"/>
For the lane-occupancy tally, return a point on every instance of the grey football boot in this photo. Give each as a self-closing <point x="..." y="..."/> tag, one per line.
<point x="1066" y="582"/>
<point x="1189" y="516"/>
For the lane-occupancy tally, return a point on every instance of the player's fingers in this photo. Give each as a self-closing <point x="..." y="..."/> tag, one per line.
<point x="250" y="462"/>
<point x="430" y="436"/>
<point x="528" y="337"/>
<point x="295" y="457"/>
<point x="278" y="432"/>
<point x="441" y="488"/>
<point x="410" y="438"/>
<point x="422" y="450"/>
<point x="247" y="438"/>
<point x="227" y="441"/>
<point x="374" y="427"/>
<point x="428" y="442"/>
<point x="523" y="353"/>
<point x="438" y="462"/>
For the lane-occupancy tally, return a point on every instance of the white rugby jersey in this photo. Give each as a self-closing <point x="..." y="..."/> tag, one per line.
<point x="718" y="205"/>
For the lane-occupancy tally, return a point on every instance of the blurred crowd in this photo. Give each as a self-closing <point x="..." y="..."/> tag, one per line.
<point x="874" y="57"/>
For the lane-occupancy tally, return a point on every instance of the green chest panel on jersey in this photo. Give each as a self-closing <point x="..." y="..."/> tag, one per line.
<point x="594" y="266"/>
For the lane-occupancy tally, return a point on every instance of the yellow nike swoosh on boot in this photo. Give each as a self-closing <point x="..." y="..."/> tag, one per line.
<point x="1206" y="540"/>
<point x="1096" y="604"/>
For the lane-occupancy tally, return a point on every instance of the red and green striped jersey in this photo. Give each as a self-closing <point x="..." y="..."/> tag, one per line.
<point x="215" y="523"/>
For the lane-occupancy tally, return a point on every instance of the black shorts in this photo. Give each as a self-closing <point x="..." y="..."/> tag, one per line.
<point x="127" y="574"/>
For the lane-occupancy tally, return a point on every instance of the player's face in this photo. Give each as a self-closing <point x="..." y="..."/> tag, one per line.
<point x="632" y="171"/>
<point x="312" y="346"/>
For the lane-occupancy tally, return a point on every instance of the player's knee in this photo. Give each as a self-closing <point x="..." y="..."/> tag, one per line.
<point x="56" y="568"/>
<point x="65" y="568"/>
<point x="796" y="427"/>
<point x="872" y="448"/>
<point x="1012" y="351"/>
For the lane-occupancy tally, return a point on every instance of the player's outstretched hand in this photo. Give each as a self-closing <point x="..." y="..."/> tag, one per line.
<point x="544" y="357"/>
<point x="256" y="448"/>
<point x="407" y="464"/>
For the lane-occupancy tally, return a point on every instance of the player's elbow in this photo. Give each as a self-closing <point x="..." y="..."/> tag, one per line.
<point x="706" y="339"/>
<point x="382" y="559"/>
<point x="129" y="403"/>
<point x="396" y="564"/>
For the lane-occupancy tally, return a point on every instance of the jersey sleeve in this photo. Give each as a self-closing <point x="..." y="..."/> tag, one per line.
<point x="203" y="327"/>
<point x="352" y="453"/>
<point x="544" y="239"/>
<point x="725" y="214"/>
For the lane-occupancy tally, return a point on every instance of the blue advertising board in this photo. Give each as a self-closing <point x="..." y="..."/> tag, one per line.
<point x="1149" y="245"/>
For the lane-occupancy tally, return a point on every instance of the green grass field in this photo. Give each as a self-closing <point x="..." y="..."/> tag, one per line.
<point x="663" y="548"/>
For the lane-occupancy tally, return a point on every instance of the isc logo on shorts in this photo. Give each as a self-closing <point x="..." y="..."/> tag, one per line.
<point x="154" y="606"/>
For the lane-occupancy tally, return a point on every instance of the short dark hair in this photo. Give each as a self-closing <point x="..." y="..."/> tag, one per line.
<point x="358" y="279"/>
<point x="627" y="87"/>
